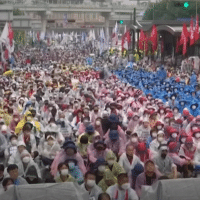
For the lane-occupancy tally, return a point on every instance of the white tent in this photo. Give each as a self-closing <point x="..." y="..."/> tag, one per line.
<point x="50" y="191"/>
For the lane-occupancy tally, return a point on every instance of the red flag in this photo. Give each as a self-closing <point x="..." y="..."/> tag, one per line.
<point x="191" y="32"/>
<point x="146" y="39"/>
<point x="10" y="34"/>
<point x="196" y="33"/>
<point x="128" y="36"/>
<point x="184" y="38"/>
<point x="141" y="40"/>
<point x="154" y="38"/>
<point x="177" y="45"/>
<point x="122" y="43"/>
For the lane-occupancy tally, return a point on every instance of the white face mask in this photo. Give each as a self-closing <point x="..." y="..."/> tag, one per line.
<point x="175" y="111"/>
<point x="64" y="172"/>
<point x="197" y="135"/>
<point x="102" y="168"/>
<point x="173" y="98"/>
<point x="160" y="139"/>
<point x="154" y="135"/>
<point x="159" y="127"/>
<point x="29" y="118"/>
<point x="14" y="142"/>
<point x="183" y="140"/>
<point x="134" y="140"/>
<point x="182" y="103"/>
<point x="110" y="162"/>
<point x="193" y="107"/>
<point x="162" y="111"/>
<point x="26" y="159"/>
<point x="98" y="123"/>
<point x="174" y="135"/>
<point x="91" y="183"/>
<point x="16" y="119"/>
<point x="125" y="186"/>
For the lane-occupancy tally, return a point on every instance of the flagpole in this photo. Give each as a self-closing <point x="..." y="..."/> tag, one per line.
<point x="196" y="7"/>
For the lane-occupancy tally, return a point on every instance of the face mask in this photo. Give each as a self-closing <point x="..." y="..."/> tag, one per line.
<point x="98" y="123"/>
<point x="174" y="135"/>
<point x="16" y="119"/>
<point x="159" y="127"/>
<point x="91" y="183"/>
<point x="64" y="172"/>
<point x="197" y="135"/>
<point x="71" y="165"/>
<point x="29" y="119"/>
<point x="125" y="186"/>
<point x="193" y="107"/>
<point x="101" y="168"/>
<point x="14" y="142"/>
<point x="161" y="111"/>
<point x="26" y="159"/>
<point x="173" y="98"/>
<point x="183" y="140"/>
<point x="160" y="139"/>
<point x="134" y="140"/>
<point x="182" y="103"/>
<point x="167" y="120"/>
<point x="110" y="162"/>
<point x="50" y="142"/>
<point x="154" y="135"/>
<point x="175" y="111"/>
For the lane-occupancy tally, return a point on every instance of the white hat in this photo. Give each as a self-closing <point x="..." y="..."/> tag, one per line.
<point x="25" y="153"/>
<point x="161" y="133"/>
<point x="21" y="143"/>
<point x="51" y="136"/>
<point x="4" y="128"/>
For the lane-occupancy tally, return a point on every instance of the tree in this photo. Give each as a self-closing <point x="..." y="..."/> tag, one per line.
<point x="166" y="10"/>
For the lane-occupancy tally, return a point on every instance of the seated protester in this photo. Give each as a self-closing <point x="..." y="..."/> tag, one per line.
<point x="98" y="126"/>
<point x="14" y="174"/>
<point x="3" y="144"/>
<point x="82" y="146"/>
<point x="159" y="126"/>
<point x="16" y="157"/>
<point x="104" y="196"/>
<point x="183" y="165"/>
<point x="77" y="119"/>
<point x="188" y="149"/>
<point x="100" y="150"/>
<point x="69" y="152"/>
<point x="26" y="163"/>
<point x="153" y="119"/>
<point x="144" y="130"/>
<point x="1" y="174"/>
<point x="133" y="122"/>
<point x="64" y="175"/>
<point x="11" y="148"/>
<point x="164" y="163"/>
<point x="6" y="132"/>
<point x="64" y="125"/>
<point x="90" y="185"/>
<point x="176" y="113"/>
<point x="90" y="133"/>
<point x="114" y="167"/>
<point x="32" y="176"/>
<point x="153" y="135"/>
<point x="148" y="177"/>
<point x="134" y="140"/>
<point x="122" y="190"/>
<point x="173" y="135"/>
<point x="142" y="152"/>
<point x="49" y="150"/>
<point x="99" y="168"/>
<point x="115" y="143"/>
<point x="107" y="180"/>
<point x="196" y="136"/>
<point x="82" y="127"/>
<point x="131" y="163"/>
<point x="155" y="144"/>
<point x="7" y="182"/>
<point x="105" y="122"/>
<point x="74" y="170"/>
<point x="28" y="138"/>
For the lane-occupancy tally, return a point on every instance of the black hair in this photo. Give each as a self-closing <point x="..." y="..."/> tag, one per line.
<point x="2" y="167"/>
<point x="61" y="164"/>
<point x="12" y="167"/>
<point x="89" y="172"/>
<point x="84" y="139"/>
<point x="122" y="175"/>
<point x="103" y="195"/>
<point x="5" y="181"/>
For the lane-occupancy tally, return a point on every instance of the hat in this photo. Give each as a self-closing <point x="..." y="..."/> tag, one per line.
<point x="100" y="142"/>
<point x="69" y="144"/>
<point x="169" y="115"/>
<point x="159" y="123"/>
<point x="130" y="113"/>
<point x="100" y="161"/>
<point x="172" y="130"/>
<point x="172" y="146"/>
<point x="186" y="112"/>
<point x="163" y="146"/>
<point x="89" y="129"/>
<point x="161" y="133"/>
<point x="51" y="136"/>
<point x="141" y="147"/>
<point x="24" y="153"/>
<point x="21" y="143"/>
<point x="113" y="134"/>
<point x="179" y="121"/>
<point x="113" y="118"/>
<point x="189" y="139"/>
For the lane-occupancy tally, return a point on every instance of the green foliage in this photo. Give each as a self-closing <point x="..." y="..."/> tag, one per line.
<point x="165" y="10"/>
<point x="19" y="37"/>
<point x="17" y="12"/>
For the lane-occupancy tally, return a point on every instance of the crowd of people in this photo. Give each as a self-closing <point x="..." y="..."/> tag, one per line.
<point x="63" y="121"/>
